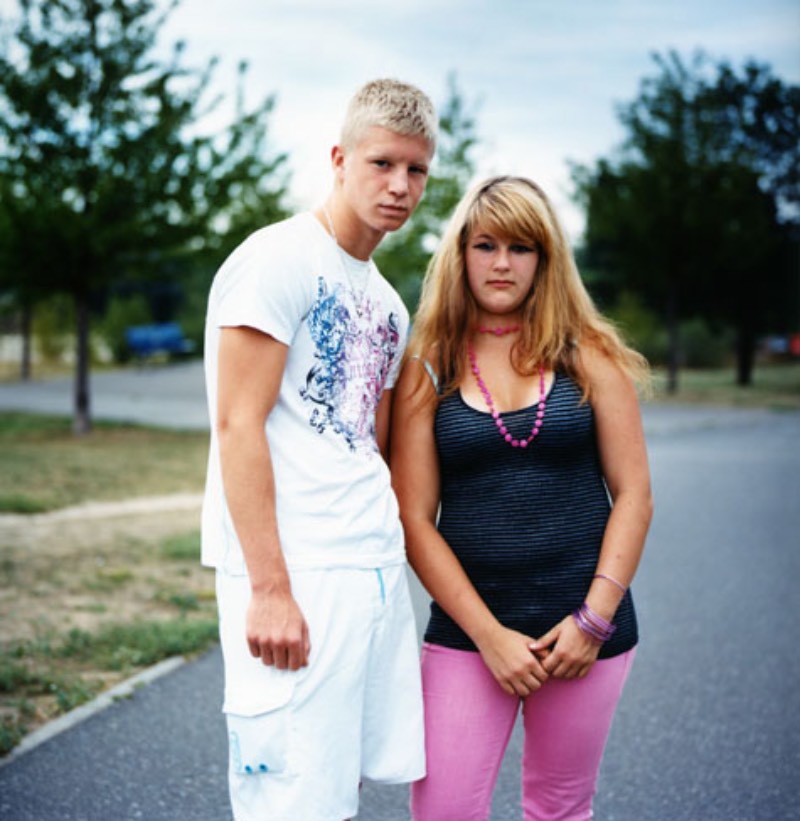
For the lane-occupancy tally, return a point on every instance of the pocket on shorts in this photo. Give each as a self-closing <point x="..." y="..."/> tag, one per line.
<point x="258" y="712"/>
<point x="259" y="744"/>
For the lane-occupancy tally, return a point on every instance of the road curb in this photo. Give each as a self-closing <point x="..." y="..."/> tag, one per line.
<point x="74" y="717"/>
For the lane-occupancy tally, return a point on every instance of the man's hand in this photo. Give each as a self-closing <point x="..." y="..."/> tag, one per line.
<point x="277" y="632"/>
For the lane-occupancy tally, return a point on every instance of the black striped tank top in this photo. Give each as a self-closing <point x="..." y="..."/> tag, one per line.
<point x="526" y="524"/>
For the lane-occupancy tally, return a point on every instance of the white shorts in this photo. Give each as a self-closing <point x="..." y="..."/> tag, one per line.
<point x="300" y="742"/>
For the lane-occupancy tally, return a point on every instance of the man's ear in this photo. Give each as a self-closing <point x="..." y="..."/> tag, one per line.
<point x="337" y="161"/>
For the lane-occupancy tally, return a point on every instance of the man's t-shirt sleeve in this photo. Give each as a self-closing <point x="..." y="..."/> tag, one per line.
<point x="262" y="286"/>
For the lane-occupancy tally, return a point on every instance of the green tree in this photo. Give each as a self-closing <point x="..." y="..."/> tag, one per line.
<point x="403" y="257"/>
<point x="22" y="244"/>
<point x="107" y="173"/>
<point x="696" y="211"/>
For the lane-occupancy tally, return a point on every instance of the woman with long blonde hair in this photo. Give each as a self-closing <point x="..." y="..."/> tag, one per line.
<point x="519" y="462"/>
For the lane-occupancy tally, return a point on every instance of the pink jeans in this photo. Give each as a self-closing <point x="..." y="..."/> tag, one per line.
<point x="468" y="722"/>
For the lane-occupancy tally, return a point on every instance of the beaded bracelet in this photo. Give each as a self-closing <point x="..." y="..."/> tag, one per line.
<point x="585" y="627"/>
<point x="609" y="579"/>
<point x="597" y="620"/>
<point x="592" y="624"/>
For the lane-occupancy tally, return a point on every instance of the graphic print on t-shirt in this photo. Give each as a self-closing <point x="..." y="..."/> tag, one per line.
<point x="353" y="353"/>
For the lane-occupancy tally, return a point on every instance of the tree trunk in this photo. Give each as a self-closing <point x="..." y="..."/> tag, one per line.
<point x="26" y="331"/>
<point x="82" y="419"/>
<point x="673" y="337"/>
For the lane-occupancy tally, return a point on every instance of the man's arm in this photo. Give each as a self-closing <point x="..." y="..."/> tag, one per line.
<point x="251" y="366"/>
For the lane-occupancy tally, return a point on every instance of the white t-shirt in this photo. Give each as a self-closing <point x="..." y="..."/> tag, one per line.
<point x="335" y="505"/>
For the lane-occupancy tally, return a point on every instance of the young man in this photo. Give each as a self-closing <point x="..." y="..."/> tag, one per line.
<point x="303" y="343"/>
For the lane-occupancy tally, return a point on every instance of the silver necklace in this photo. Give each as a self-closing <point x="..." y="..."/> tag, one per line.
<point x="358" y="291"/>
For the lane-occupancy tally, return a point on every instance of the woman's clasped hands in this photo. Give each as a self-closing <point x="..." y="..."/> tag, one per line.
<point x="566" y="651"/>
<point x="521" y="665"/>
<point x="515" y="666"/>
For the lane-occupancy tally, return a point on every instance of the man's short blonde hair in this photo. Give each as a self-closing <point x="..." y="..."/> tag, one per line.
<point x="390" y="104"/>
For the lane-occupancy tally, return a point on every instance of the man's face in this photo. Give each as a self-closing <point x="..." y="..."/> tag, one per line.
<point x="383" y="176"/>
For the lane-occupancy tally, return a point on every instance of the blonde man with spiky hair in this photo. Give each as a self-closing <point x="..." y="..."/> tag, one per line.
<point x="304" y="339"/>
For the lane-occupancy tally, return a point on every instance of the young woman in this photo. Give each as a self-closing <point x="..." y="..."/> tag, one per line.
<point x="519" y="462"/>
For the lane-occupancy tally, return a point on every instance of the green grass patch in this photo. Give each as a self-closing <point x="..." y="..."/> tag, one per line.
<point x="108" y="580"/>
<point x="14" y="425"/>
<point x="14" y="725"/>
<point x="185" y="547"/>
<point x="184" y="602"/>
<point x="124" y="646"/>
<point x="774" y="386"/>
<point x="21" y="676"/>
<point x="14" y="676"/>
<point x="16" y="503"/>
<point x="45" y="466"/>
<point x="53" y="671"/>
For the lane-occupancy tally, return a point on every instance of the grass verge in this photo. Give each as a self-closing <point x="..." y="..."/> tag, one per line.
<point x="45" y="466"/>
<point x="86" y="604"/>
<point x="774" y="386"/>
<point x="42" y="679"/>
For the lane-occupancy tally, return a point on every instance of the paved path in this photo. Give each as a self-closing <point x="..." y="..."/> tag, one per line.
<point x="171" y="396"/>
<point x="708" y="728"/>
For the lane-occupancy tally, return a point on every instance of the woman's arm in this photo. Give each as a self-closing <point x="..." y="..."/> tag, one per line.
<point x="415" y="477"/>
<point x="383" y="418"/>
<point x="623" y="459"/>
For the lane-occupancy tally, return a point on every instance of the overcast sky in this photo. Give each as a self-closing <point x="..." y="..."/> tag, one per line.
<point x="544" y="75"/>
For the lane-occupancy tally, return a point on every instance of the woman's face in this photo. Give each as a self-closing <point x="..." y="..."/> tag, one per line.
<point x="500" y="272"/>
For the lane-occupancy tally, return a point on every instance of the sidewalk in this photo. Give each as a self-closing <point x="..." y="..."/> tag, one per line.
<point x="170" y="396"/>
<point x="173" y="396"/>
<point x="104" y="510"/>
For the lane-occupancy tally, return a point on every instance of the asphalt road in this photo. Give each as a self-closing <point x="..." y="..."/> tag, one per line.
<point x="708" y="728"/>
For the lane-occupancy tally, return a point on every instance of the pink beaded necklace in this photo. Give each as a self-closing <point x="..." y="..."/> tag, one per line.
<point x="499" y="331"/>
<point x="498" y="420"/>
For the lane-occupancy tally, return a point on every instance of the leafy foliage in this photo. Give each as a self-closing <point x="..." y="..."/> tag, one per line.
<point x="106" y="175"/>
<point x="702" y="200"/>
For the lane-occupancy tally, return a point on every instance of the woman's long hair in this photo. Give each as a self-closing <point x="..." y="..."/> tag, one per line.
<point x="558" y="314"/>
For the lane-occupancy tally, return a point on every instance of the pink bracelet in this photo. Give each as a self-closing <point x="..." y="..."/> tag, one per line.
<point x="609" y="579"/>
<point x="586" y="628"/>
<point x="592" y="624"/>
<point x="597" y="620"/>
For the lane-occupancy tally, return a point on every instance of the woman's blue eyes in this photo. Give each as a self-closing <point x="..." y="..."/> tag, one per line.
<point x="515" y="249"/>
